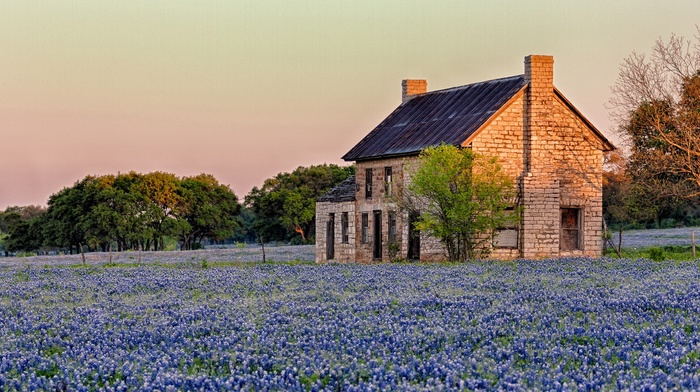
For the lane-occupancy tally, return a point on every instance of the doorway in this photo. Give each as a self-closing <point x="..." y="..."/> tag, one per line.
<point x="330" y="237"/>
<point x="377" y="238"/>
<point x="413" y="238"/>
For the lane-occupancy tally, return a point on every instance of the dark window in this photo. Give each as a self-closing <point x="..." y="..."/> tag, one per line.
<point x="344" y="227"/>
<point x="570" y="229"/>
<point x="392" y="226"/>
<point x="506" y="236"/>
<point x="365" y="227"/>
<point x="368" y="183"/>
<point x="387" y="180"/>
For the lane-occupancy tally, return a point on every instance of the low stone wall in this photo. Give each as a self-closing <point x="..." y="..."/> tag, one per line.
<point x="344" y="251"/>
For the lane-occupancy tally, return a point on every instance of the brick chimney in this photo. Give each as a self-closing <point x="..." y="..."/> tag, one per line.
<point x="412" y="87"/>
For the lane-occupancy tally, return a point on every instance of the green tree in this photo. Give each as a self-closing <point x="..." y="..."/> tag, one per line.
<point x="63" y="227"/>
<point x="210" y="210"/>
<point x="23" y="228"/>
<point x="630" y="203"/>
<point x="462" y="198"/>
<point x="285" y="206"/>
<point x="245" y="231"/>
<point x="161" y="190"/>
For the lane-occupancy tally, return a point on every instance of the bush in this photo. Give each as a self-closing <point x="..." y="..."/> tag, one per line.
<point x="394" y="248"/>
<point x="656" y="254"/>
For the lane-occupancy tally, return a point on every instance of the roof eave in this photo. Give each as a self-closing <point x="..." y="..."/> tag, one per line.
<point x="383" y="156"/>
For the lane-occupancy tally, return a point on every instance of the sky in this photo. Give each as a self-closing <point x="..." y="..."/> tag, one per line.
<point x="244" y="90"/>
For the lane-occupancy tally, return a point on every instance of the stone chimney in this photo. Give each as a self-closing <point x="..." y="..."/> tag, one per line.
<point x="412" y="87"/>
<point x="540" y="185"/>
<point x="539" y="74"/>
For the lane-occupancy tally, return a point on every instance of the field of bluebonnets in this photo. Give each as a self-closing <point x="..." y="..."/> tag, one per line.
<point x="216" y="320"/>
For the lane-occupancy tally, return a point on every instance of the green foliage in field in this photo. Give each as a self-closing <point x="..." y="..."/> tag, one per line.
<point x="656" y="253"/>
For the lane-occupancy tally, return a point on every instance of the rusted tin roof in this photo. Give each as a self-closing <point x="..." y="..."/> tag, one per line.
<point x="447" y="116"/>
<point x="345" y="191"/>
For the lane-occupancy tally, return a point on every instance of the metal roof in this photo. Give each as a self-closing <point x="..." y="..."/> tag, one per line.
<point x="447" y="116"/>
<point x="345" y="191"/>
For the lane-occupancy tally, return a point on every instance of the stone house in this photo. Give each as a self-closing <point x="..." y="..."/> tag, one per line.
<point x="552" y="151"/>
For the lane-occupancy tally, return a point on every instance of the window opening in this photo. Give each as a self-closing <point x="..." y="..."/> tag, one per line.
<point x="506" y="236"/>
<point x="344" y="227"/>
<point x="368" y="183"/>
<point x="387" y="180"/>
<point x="570" y="229"/>
<point x="392" y="226"/>
<point x="365" y="227"/>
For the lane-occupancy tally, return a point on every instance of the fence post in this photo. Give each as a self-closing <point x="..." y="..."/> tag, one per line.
<point x="619" y="244"/>
<point x="692" y="237"/>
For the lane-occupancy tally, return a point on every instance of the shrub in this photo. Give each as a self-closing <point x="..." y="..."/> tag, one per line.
<point x="656" y="254"/>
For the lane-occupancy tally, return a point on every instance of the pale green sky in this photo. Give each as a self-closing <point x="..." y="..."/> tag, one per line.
<point x="247" y="89"/>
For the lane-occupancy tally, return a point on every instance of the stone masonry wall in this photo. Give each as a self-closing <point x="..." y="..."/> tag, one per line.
<point x="555" y="159"/>
<point x="430" y="248"/>
<point x="578" y="165"/>
<point x="503" y="138"/>
<point x="344" y="252"/>
<point x="379" y="201"/>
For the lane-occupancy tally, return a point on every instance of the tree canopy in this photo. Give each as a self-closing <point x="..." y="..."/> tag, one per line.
<point x="130" y="211"/>
<point x="462" y="198"/>
<point x="656" y="103"/>
<point x="20" y="228"/>
<point x="285" y="206"/>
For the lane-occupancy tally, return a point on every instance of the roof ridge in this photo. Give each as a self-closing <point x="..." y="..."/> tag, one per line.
<point x="448" y="89"/>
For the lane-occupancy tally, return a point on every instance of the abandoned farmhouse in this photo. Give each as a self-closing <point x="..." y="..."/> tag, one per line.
<point x="552" y="151"/>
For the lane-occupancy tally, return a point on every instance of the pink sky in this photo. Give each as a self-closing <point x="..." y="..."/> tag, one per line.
<point x="244" y="90"/>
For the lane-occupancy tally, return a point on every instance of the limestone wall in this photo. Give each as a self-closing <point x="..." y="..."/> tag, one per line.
<point x="344" y="252"/>
<point x="579" y="168"/>
<point x="380" y="200"/>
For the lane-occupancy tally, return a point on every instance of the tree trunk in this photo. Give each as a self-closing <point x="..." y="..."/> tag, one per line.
<point x="262" y="244"/>
<point x="80" y="249"/>
<point x="300" y="230"/>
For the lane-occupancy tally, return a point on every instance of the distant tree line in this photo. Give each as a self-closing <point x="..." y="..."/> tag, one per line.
<point x="147" y="211"/>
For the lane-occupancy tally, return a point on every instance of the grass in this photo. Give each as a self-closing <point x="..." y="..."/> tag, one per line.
<point x="657" y="253"/>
